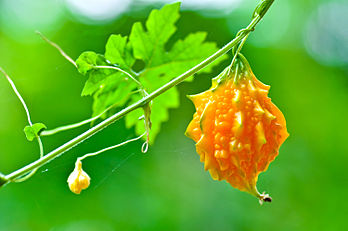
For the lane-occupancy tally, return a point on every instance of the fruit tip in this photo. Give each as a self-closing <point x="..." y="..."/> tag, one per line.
<point x="264" y="198"/>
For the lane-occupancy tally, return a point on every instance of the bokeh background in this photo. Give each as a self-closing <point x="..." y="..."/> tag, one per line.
<point x="300" y="48"/>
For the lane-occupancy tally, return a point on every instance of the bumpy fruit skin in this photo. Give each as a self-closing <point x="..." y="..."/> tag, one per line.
<point x="237" y="129"/>
<point x="78" y="179"/>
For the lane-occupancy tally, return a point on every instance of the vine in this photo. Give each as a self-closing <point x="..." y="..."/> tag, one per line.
<point x="114" y="70"/>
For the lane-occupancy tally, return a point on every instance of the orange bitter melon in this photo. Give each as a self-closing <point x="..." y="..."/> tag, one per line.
<point x="237" y="129"/>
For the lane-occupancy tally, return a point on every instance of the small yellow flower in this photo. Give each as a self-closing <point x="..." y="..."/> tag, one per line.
<point x="78" y="179"/>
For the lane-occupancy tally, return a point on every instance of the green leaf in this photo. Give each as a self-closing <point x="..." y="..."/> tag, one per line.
<point x="117" y="51"/>
<point x="162" y="66"/>
<point x="116" y="90"/>
<point x="148" y="45"/>
<point x="184" y="55"/>
<point x="31" y="132"/>
<point x="97" y="78"/>
<point x="86" y="62"/>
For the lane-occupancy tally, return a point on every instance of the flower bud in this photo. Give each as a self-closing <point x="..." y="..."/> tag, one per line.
<point x="78" y="179"/>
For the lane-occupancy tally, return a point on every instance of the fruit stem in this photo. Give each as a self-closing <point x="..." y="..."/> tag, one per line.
<point x="262" y="197"/>
<point x="237" y="53"/>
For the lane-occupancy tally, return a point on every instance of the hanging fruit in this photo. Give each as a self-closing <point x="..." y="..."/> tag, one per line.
<point x="237" y="129"/>
<point x="78" y="180"/>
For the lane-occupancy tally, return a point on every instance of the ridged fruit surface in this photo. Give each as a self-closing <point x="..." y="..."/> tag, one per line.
<point x="237" y="129"/>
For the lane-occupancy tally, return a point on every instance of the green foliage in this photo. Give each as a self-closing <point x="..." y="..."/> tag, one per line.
<point x="86" y="62"/>
<point x="147" y="45"/>
<point x="119" y="51"/>
<point x="31" y="132"/>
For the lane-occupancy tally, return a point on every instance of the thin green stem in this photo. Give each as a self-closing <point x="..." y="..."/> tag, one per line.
<point x="235" y="74"/>
<point x="237" y="52"/>
<point x="140" y="85"/>
<point x="30" y="174"/>
<point x="18" y="95"/>
<point x="77" y="140"/>
<point x="79" y="124"/>
<point x="110" y="148"/>
<point x="75" y="125"/>
<point x="124" y="72"/>
<point x="67" y="57"/>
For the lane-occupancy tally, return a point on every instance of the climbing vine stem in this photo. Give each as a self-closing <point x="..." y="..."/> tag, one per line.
<point x="23" y="177"/>
<point x="110" y="148"/>
<point x="75" y="125"/>
<point x="258" y="14"/>
<point x="67" y="57"/>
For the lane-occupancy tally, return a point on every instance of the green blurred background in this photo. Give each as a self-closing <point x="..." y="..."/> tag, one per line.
<point x="300" y="49"/>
